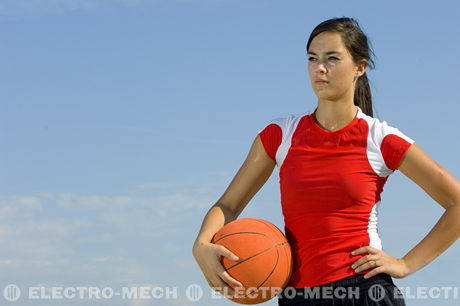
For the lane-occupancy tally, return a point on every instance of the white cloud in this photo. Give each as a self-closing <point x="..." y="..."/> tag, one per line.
<point x="57" y="216"/>
<point x="17" y="206"/>
<point x="95" y="237"/>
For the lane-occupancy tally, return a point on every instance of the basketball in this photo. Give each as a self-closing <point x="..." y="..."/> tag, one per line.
<point x="265" y="259"/>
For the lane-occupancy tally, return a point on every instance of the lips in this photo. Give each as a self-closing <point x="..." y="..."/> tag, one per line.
<point x="319" y="81"/>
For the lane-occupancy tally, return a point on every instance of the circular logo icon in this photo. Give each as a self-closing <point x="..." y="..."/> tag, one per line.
<point x="11" y="293"/>
<point x="376" y="292"/>
<point x="194" y="292"/>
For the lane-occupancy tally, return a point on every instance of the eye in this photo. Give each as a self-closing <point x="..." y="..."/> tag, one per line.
<point x="311" y="58"/>
<point x="333" y="58"/>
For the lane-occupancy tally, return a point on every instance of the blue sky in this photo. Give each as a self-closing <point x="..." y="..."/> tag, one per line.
<point x="122" y="122"/>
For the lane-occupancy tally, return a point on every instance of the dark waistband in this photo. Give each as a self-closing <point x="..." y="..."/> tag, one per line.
<point x="359" y="280"/>
<point x="353" y="282"/>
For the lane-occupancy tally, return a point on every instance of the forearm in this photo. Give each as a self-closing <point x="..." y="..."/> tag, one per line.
<point x="444" y="234"/>
<point x="216" y="217"/>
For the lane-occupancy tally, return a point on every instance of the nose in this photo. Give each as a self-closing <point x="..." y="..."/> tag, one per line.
<point x="320" y="68"/>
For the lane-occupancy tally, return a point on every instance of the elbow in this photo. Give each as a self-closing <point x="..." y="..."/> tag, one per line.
<point x="229" y="214"/>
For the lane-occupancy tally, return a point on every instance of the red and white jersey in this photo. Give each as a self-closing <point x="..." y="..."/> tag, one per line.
<point x="330" y="185"/>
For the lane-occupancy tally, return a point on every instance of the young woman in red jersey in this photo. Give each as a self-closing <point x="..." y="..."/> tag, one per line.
<point x="333" y="164"/>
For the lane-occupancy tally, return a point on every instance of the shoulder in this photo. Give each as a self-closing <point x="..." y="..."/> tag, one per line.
<point x="284" y="123"/>
<point x="276" y="133"/>
<point x="386" y="145"/>
<point x="380" y="130"/>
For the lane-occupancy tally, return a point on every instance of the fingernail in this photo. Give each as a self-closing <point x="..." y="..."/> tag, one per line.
<point x="235" y="257"/>
<point x="353" y="253"/>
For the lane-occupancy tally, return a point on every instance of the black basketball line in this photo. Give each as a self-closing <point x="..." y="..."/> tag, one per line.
<point x="246" y="259"/>
<point x="256" y="233"/>
<point x="276" y="264"/>
<point x="272" y="229"/>
<point x="271" y="272"/>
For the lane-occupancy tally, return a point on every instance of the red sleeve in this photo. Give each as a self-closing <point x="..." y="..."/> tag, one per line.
<point x="271" y="139"/>
<point x="393" y="149"/>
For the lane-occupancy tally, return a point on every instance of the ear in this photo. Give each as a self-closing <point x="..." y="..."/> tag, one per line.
<point x="360" y="68"/>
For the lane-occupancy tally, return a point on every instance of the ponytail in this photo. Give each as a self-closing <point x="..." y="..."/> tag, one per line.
<point x="363" y="95"/>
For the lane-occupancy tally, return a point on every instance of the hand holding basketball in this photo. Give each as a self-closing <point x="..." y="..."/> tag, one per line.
<point x="265" y="262"/>
<point x="208" y="256"/>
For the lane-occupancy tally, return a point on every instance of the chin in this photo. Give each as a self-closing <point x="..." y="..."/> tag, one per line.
<point x="322" y="95"/>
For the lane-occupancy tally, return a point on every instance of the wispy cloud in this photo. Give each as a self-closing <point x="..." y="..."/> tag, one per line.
<point x="91" y="234"/>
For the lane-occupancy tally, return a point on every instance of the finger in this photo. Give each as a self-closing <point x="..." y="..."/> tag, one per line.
<point x="358" y="251"/>
<point x="368" y="265"/>
<point x="227" y="253"/>
<point x="374" y="272"/>
<point x="230" y="280"/>
<point x="222" y="287"/>
<point x="365" y="249"/>
<point x="363" y="260"/>
<point x="226" y="277"/>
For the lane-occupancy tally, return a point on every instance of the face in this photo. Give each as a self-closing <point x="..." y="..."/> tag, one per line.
<point x="337" y="68"/>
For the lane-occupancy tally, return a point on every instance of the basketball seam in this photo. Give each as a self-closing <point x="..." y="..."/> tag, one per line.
<point x="268" y="226"/>
<point x="246" y="259"/>
<point x="285" y="253"/>
<point x="271" y="272"/>
<point x="277" y="259"/>
<point x="276" y="264"/>
<point x="242" y="233"/>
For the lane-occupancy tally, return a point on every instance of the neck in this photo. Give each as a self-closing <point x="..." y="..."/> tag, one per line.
<point x="334" y="115"/>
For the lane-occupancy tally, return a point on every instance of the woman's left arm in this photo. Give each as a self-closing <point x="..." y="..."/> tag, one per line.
<point x="442" y="187"/>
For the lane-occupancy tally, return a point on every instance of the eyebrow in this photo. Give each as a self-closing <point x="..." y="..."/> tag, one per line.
<point x="327" y="53"/>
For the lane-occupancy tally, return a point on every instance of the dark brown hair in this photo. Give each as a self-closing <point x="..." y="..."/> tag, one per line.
<point x="357" y="44"/>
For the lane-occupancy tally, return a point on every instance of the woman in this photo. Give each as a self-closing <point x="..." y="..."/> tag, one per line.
<point x="333" y="164"/>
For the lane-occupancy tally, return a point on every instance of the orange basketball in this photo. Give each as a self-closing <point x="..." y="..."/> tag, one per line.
<point x="265" y="259"/>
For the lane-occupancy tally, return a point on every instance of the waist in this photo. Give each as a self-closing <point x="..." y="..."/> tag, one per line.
<point x="319" y="262"/>
<point x="358" y="279"/>
<point x="311" y="226"/>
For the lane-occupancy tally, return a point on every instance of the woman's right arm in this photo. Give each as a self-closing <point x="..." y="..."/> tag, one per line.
<point x="252" y="175"/>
